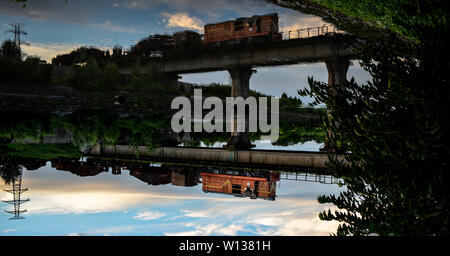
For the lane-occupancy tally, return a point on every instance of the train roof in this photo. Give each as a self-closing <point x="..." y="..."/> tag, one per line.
<point x="243" y="18"/>
<point x="269" y="198"/>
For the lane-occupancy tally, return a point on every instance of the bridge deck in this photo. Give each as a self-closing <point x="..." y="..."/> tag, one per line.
<point x="286" y="52"/>
<point x="264" y="159"/>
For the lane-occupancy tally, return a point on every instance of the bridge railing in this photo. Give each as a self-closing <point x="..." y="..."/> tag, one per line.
<point x="310" y="32"/>
<point x="311" y="177"/>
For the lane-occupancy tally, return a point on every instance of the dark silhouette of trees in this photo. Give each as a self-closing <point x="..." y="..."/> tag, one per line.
<point x="10" y="49"/>
<point x="152" y="46"/>
<point x="81" y="56"/>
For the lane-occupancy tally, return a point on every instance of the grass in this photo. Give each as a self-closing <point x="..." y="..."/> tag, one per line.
<point x="41" y="151"/>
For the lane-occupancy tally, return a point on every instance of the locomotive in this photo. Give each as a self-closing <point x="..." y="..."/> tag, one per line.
<point x="251" y="28"/>
<point x="258" y="28"/>
<point x="238" y="32"/>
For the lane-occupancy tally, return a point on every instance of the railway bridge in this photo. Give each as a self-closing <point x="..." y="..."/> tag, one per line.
<point x="318" y="45"/>
<point x="261" y="159"/>
<point x="239" y="60"/>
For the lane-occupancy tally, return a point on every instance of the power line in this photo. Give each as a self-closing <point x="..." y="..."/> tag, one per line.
<point x="18" y="31"/>
<point x="16" y="190"/>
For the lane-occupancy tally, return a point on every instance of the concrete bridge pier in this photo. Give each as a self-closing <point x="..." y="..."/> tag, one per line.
<point x="240" y="87"/>
<point x="337" y="76"/>
<point x="240" y="77"/>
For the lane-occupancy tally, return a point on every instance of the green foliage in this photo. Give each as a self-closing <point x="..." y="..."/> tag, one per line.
<point x="405" y="17"/>
<point x="41" y="151"/>
<point x="88" y="76"/>
<point x="291" y="133"/>
<point x="222" y="91"/>
<point x="22" y="126"/>
<point x="111" y="76"/>
<point x="86" y="127"/>
<point x="9" y="172"/>
<point x="150" y="81"/>
<point x="289" y="103"/>
<point x="396" y="129"/>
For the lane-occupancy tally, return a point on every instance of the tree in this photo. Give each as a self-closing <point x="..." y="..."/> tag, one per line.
<point x="89" y="76"/>
<point x="111" y="75"/>
<point x="10" y="49"/>
<point x="9" y="171"/>
<point x="396" y="129"/>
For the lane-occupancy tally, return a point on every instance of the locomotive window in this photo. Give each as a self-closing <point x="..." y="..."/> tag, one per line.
<point x="238" y="25"/>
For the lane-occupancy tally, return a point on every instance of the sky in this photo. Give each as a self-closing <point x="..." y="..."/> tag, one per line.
<point x="55" y="27"/>
<point x="62" y="203"/>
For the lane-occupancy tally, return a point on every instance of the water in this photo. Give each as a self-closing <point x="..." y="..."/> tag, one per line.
<point x="62" y="203"/>
<point x="266" y="144"/>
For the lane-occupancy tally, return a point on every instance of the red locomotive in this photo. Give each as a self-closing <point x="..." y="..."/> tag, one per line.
<point x="256" y="28"/>
<point x="264" y="26"/>
<point x="241" y="31"/>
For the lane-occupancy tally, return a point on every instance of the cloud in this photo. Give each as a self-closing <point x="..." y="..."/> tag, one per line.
<point x="74" y="234"/>
<point x="293" y="22"/>
<point x="290" y="216"/>
<point x="208" y="230"/>
<point x="113" y="230"/>
<point x="182" y="20"/>
<point x="82" y="202"/>
<point x="51" y="192"/>
<point x="48" y="51"/>
<point x="198" y="231"/>
<point x="115" y="28"/>
<point x="149" y="215"/>
<point x="9" y="230"/>
<point x="231" y="230"/>
<point x="198" y="214"/>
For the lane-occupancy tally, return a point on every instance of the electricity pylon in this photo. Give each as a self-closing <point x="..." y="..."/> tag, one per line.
<point x="16" y="191"/>
<point x="17" y="31"/>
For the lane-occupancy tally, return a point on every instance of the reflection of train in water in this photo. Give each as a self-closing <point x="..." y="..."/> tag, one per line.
<point x="238" y="182"/>
<point x="248" y="184"/>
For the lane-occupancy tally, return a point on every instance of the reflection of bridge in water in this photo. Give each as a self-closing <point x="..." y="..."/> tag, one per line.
<point x="235" y="172"/>
<point x="240" y="182"/>
<point x="261" y="159"/>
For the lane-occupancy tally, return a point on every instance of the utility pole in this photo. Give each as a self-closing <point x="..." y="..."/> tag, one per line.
<point x="17" y="31"/>
<point x="16" y="190"/>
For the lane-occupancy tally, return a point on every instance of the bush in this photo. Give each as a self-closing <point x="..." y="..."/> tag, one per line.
<point x="30" y="71"/>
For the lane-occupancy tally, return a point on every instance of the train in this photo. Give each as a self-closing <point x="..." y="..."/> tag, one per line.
<point x="241" y="31"/>
<point x="257" y="28"/>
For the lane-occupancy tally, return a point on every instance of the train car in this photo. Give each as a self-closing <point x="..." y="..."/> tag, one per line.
<point x="242" y="186"/>
<point x="249" y="28"/>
